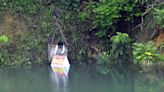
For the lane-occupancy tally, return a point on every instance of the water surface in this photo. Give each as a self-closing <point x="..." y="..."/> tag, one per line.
<point x="42" y="79"/>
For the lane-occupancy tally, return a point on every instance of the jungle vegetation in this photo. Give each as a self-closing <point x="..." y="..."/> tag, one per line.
<point x="108" y="34"/>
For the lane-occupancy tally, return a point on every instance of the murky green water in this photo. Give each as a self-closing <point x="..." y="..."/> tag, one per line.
<point x="42" y="79"/>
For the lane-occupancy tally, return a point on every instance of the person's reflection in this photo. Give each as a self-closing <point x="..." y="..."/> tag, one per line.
<point x="59" y="78"/>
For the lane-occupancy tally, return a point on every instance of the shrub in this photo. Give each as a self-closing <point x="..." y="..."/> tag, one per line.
<point x="120" y="51"/>
<point x="3" y="39"/>
<point x="119" y="55"/>
<point x="107" y="13"/>
<point x="147" y="53"/>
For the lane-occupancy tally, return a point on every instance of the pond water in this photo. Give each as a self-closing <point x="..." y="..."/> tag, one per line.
<point x="42" y="79"/>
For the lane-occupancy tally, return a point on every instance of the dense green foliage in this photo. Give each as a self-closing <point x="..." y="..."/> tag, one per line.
<point x="99" y="32"/>
<point x="121" y="48"/>
<point x="159" y="16"/>
<point x="107" y="13"/>
<point x="147" y="53"/>
<point x="119" y="55"/>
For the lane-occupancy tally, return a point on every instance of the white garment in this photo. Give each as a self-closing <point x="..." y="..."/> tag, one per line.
<point x="63" y="49"/>
<point x="57" y="47"/>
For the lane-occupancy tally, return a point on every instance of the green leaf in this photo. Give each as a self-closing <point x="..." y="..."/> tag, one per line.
<point x="3" y="39"/>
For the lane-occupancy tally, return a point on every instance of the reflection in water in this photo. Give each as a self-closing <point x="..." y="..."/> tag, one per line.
<point x="25" y="80"/>
<point x="59" y="78"/>
<point x="43" y="79"/>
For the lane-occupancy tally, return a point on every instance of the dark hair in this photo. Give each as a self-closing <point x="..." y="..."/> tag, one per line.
<point x="60" y="43"/>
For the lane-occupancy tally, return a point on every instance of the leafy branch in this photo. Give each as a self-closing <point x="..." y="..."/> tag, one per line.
<point x="150" y="8"/>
